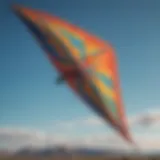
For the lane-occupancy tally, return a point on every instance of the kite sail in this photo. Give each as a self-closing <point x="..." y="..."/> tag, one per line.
<point x="87" y="63"/>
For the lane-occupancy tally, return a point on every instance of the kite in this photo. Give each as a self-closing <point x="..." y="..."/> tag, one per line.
<point x="85" y="62"/>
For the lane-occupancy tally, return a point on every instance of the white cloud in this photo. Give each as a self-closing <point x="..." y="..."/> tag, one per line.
<point x="18" y="137"/>
<point x="15" y="137"/>
<point x="150" y="118"/>
<point x="146" y="140"/>
<point x="84" y="122"/>
<point x="29" y="139"/>
<point x="93" y="121"/>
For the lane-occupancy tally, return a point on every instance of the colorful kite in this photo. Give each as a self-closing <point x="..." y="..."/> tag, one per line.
<point x="87" y="63"/>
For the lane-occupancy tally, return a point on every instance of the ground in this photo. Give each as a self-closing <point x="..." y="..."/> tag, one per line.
<point x="78" y="157"/>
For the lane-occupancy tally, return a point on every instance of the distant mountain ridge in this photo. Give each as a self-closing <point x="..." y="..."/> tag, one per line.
<point x="5" y="152"/>
<point x="66" y="151"/>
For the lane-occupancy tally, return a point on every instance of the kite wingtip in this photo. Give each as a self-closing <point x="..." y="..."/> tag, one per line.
<point x="16" y="7"/>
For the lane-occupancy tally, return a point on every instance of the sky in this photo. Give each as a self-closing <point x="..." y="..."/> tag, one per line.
<point x="31" y="102"/>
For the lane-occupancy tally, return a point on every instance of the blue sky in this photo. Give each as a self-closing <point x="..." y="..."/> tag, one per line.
<point x="28" y="95"/>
